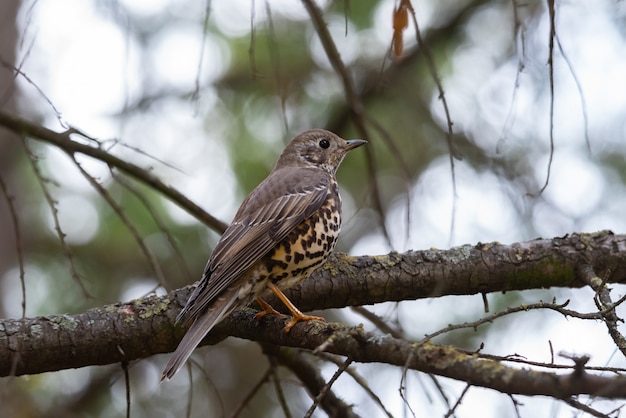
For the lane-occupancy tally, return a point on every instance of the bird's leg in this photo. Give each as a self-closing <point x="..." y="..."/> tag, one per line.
<point x="267" y="309"/>
<point x="297" y="316"/>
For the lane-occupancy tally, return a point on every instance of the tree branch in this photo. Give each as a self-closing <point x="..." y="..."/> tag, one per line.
<point x="140" y="328"/>
<point x="311" y="378"/>
<point x="63" y="141"/>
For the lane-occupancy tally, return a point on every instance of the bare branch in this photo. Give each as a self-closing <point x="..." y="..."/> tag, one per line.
<point x="552" y="11"/>
<point x="282" y="401"/>
<point x="379" y="322"/>
<point x="63" y="141"/>
<point x="585" y="408"/>
<point x="458" y="402"/>
<point x="205" y="35"/>
<point x="144" y="327"/>
<point x="358" y="379"/>
<point x="117" y="208"/>
<point x="344" y="281"/>
<point x="605" y="304"/>
<point x="581" y="94"/>
<point x="452" y="153"/>
<point x="326" y="388"/>
<point x="253" y="391"/>
<point x="52" y="204"/>
<point x="19" y="247"/>
<point x="309" y="375"/>
<point x="357" y="111"/>
<point x="158" y="221"/>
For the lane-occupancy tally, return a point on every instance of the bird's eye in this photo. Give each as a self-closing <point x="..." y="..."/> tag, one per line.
<point x="324" y="143"/>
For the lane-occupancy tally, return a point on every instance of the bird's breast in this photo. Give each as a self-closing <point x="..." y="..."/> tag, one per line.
<point x="306" y="247"/>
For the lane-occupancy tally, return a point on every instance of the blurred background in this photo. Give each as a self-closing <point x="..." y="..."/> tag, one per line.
<point x="206" y="94"/>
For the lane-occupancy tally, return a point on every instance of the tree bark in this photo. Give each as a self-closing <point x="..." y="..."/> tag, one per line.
<point x="128" y="331"/>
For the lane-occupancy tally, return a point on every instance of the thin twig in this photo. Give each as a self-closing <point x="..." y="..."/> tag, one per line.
<point x="156" y="268"/>
<point x="252" y="48"/>
<point x="403" y="383"/>
<point x="205" y="34"/>
<point x="440" y="389"/>
<point x="585" y="408"/>
<point x="356" y="107"/>
<point x="309" y="374"/>
<point x="124" y="365"/>
<point x="52" y="204"/>
<point x="581" y="94"/>
<point x="358" y="379"/>
<point x="26" y="51"/>
<point x="404" y="169"/>
<point x="452" y="153"/>
<point x="527" y="307"/>
<point x="320" y="396"/>
<point x="458" y="401"/>
<point x="605" y="305"/>
<point x="282" y="400"/>
<point x="280" y="84"/>
<point x="518" y="28"/>
<point x="552" y="12"/>
<point x="257" y="386"/>
<point x="157" y="220"/>
<point x="19" y="247"/>
<point x="63" y="141"/>
<point x="18" y="71"/>
<point x="377" y="321"/>
<point x="516" y="358"/>
<point x="515" y="406"/>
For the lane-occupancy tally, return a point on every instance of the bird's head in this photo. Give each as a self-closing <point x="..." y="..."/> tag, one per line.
<point x="317" y="148"/>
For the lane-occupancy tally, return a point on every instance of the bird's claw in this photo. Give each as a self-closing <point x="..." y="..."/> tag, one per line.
<point x="295" y="319"/>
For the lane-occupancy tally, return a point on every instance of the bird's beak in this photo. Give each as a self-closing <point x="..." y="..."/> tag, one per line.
<point x="354" y="143"/>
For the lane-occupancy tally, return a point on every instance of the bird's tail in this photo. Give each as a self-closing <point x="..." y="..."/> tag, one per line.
<point x="198" y="330"/>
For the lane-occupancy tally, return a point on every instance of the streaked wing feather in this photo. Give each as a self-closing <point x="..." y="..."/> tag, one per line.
<point x="255" y="230"/>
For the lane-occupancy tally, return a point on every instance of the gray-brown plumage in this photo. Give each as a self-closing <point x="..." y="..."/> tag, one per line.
<point x="283" y="231"/>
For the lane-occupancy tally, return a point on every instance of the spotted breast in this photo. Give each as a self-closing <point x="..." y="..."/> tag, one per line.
<point x="306" y="247"/>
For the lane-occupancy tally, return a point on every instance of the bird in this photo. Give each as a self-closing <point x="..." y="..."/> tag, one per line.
<point x="283" y="231"/>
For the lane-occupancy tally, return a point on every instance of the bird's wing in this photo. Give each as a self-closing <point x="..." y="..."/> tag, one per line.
<point x="264" y="219"/>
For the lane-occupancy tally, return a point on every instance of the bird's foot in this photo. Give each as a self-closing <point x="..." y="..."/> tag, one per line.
<point x="267" y="310"/>
<point x="301" y="317"/>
